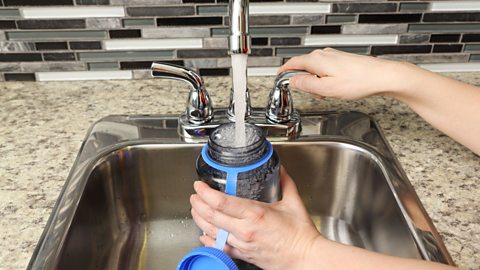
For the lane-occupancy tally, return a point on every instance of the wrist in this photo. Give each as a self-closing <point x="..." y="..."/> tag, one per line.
<point x="315" y="257"/>
<point x="398" y="79"/>
<point x="406" y="79"/>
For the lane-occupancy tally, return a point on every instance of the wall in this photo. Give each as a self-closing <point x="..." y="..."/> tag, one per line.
<point x="105" y="39"/>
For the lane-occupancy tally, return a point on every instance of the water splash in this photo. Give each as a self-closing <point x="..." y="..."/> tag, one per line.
<point x="226" y="136"/>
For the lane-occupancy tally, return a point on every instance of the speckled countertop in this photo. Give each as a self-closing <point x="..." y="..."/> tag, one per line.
<point x="43" y="125"/>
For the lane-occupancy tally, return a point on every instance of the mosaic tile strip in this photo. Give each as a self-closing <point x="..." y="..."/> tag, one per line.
<point x="126" y="35"/>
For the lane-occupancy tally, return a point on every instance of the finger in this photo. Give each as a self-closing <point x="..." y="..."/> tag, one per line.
<point x="318" y="96"/>
<point x="233" y="241"/>
<point x="230" y="250"/>
<point x="212" y="216"/>
<point x="313" y="62"/>
<point x="211" y="231"/>
<point x="206" y="227"/>
<point x="295" y="63"/>
<point x="221" y="202"/>
<point x="207" y="240"/>
<point x="312" y="84"/>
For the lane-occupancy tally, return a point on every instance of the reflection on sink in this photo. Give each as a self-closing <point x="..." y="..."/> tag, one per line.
<point x="125" y="206"/>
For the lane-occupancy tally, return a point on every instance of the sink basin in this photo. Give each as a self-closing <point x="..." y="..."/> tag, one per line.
<point x="126" y="204"/>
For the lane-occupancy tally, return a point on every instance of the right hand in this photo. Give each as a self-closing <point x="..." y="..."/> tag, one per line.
<point x="273" y="236"/>
<point x="347" y="76"/>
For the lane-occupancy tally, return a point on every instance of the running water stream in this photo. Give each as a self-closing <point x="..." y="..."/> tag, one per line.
<point x="239" y="69"/>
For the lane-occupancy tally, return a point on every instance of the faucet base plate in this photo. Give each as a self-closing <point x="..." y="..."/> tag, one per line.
<point x="275" y="131"/>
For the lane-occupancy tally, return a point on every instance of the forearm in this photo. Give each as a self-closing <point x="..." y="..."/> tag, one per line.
<point x="330" y="255"/>
<point x="451" y="106"/>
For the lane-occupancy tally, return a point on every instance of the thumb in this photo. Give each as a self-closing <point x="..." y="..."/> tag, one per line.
<point x="289" y="188"/>
<point x="291" y="201"/>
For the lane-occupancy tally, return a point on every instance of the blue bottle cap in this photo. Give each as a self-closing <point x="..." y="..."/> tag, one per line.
<point x="206" y="258"/>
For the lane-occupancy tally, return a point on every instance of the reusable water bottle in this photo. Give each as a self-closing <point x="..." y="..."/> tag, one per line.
<point x="251" y="171"/>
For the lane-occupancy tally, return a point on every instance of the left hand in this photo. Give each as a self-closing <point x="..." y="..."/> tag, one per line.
<point x="272" y="236"/>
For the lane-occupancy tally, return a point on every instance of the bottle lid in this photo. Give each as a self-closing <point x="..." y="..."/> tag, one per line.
<point x="206" y="258"/>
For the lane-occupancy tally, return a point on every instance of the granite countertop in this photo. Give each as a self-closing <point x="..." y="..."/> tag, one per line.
<point x="43" y="125"/>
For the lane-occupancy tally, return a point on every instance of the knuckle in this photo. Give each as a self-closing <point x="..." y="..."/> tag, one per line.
<point x="250" y="258"/>
<point x="247" y="235"/>
<point x="243" y="211"/>
<point x="221" y="204"/>
<point x="317" y="52"/>
<point x="258" y="215"/>
<point x="211" y="216"/>
<point x="212" y="231"/>
<point x="293" y="60"/>
<point x="250" y="247"/>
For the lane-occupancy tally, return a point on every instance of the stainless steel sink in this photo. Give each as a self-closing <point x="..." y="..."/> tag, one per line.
<point x="125" y="204"/>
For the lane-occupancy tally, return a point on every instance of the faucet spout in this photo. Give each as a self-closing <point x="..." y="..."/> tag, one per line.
<point x="239" y="40"/>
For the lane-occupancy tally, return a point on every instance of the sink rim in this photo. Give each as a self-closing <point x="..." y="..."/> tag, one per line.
<point x="57" y="227"/>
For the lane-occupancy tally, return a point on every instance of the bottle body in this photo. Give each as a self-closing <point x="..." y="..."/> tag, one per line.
<point x="262" y="183"/>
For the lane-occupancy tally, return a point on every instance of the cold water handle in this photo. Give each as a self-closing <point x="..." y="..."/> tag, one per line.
<point x="280" y="102"/>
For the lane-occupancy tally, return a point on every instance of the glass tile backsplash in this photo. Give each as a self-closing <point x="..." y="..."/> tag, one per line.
<point x="118" y="39"/>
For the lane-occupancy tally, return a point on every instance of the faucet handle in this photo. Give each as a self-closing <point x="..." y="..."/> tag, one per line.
<point x="199" y="106"/>
<point x="280" y="102"/>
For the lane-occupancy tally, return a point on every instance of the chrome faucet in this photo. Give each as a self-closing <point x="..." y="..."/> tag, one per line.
<point x="279" y="119"/>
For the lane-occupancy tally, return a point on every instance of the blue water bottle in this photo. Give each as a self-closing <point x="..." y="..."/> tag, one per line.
<point x="258" y="162"/>
<point x="251" y="171"/>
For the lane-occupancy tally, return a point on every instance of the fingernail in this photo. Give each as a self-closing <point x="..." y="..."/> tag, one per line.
<point x="203" y="240"/>
<point x="195" y="185"/>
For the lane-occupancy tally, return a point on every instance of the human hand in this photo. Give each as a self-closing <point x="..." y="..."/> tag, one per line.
<point x="272" y="236"/>
<point x="348" y="76"/>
